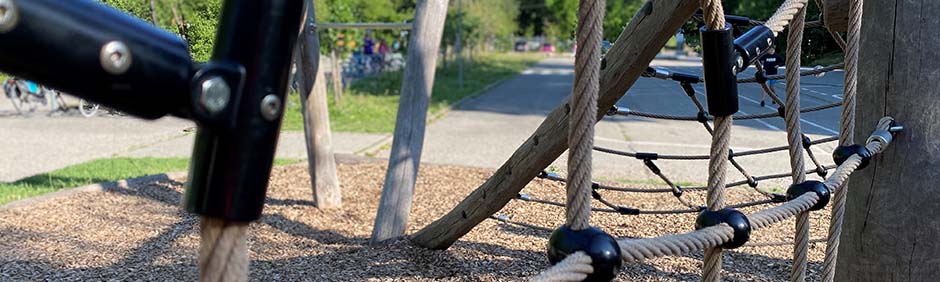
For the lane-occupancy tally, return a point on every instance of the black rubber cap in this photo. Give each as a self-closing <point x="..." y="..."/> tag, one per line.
<point x="600" y="246"/>
<point x="817" y="187"/>
<point x="737" y="220"/>
<point x="842" y="153"/>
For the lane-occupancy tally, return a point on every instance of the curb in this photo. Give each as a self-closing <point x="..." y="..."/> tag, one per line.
<point x="96" y="187"/>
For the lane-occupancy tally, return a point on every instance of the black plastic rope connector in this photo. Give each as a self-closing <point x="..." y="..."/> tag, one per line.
<point x="595" y="195"/>
<point x="647" y="156"/>
<point x="807" y="142"/>
<point x="814" y="186"/>
<point x="734" y="218"/>
<point x="730" y="154"/>
<point x="652" y="166"/>
<point x="542" y="174"/>
<point x="782" y="111"/>
<point x="628" y="211"/>
<point x="701" y="117"/>
<point x="752" y="182"/>
<point x="595" y="185"/>
<point x="603" y="249"/>
<point x="685" y="77"/>
<point x="678" y="191"/>
<point x="842" y="153"/>
<point x="719" y="61"/>
<point x="778" y="198"/>
<point x="613" y="110"/>
<point x="752" y="44"/>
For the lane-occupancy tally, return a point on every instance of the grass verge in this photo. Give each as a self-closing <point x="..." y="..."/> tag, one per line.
<point x="370" y="104"/>
<point x="96" y="171"/>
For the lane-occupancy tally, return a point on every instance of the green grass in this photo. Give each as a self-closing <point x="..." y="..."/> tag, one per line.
<point x="370" y="104"/>
<point x="102" y="170"/>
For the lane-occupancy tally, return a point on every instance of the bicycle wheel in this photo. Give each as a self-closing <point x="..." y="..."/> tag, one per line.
<point x="87" y="109"/>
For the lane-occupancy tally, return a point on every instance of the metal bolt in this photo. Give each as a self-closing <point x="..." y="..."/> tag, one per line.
<point x="896" y="128"/>
<point x="8" y="15"/>
<point x="115" y="57"/>
<point x="270" y="107"/>
<point x="215" y="94"/>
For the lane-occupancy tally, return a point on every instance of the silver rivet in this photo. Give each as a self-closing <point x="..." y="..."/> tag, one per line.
<point x="215" y="94"/>
<point x="115" y="57"/>
<point x="270" y="107"/>
<point x="896" y="128"/>
<point x="8" y="15"/>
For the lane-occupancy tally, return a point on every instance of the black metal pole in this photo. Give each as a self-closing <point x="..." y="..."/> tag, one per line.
<point x="93" y="51"/>
<point x="246" y="80"/>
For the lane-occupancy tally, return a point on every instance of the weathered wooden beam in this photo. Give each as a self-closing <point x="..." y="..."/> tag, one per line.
<point x="417" y="83"/>
<point x="891" y="225"/>
<point x="836" y="14"/>
<point x="320" y="159"/>
<point x="636" y="47"/>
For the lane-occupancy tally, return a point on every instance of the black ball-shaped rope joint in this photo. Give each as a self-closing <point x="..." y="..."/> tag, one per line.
<point x="797" y="190"/>
<point x="600" y="246"/>
<point x="843" y="153"/>
<point x="734" y="218"/>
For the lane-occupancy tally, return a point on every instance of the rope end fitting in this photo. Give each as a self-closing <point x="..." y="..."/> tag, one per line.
<point x="601" y="247"/>
<point x="733" y="218"/>
<point x="751" y="45"/>
<point x="720" y="63"/>
<point x="797" y="190"/>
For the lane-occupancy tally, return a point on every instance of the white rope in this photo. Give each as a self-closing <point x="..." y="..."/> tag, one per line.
<point x="223" y="250"/>
<point x="584" y="113"/>
<point x="784" y="14"/>
<point x="575" y="267"/>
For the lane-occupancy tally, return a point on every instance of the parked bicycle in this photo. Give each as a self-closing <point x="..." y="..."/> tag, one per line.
<point x="27" y="96"/>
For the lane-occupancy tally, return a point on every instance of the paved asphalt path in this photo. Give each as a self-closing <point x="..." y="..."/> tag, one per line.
<point x="485" y="131"/>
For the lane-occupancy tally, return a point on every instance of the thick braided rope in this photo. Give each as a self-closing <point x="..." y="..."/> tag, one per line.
<point x="584" y="113"/>
<point x="223" y="250"/>
<point x="634" y="250"/>
<point x="846" y="135"/>
<point x="794" y="139"/>
<point x="714" y="16"/>
<point x="575" y="267"/>
<point x="784" y="14"/>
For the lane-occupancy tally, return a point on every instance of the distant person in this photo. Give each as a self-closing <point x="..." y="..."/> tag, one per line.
<point x="770" y="61"/>
<point x="383" y="51"/>
<point x="368" y="44"/>
<point x="680" y="43"/>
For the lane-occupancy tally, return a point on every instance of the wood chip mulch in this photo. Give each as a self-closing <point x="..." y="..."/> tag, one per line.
<point x="139" y="233"/>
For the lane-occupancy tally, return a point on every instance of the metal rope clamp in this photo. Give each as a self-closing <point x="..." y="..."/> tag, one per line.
<point x="719" y="60"/>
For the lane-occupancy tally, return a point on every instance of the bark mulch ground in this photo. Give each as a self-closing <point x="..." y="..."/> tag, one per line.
<point x="139" y="233"/>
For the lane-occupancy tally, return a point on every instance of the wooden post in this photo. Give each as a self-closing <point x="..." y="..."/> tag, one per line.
<point x="337" y="78"/>
<point x="636" y="47"/>
<point x="320" y="158"/>
<point x="395" y="204"/>
<point x="891" y="226"/>
<point x="153" y="13"/>
<point x="836" y="14"/>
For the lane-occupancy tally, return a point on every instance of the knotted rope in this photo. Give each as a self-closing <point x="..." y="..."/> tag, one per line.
<point x="223" y="250"/>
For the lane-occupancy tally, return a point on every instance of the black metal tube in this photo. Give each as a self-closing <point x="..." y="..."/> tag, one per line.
<point x="718" y="61"/>
<point x="63" y="44"/>
<point x="230" y="167"/>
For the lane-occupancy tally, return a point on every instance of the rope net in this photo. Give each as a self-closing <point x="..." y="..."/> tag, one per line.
<point x="791" y="13"/>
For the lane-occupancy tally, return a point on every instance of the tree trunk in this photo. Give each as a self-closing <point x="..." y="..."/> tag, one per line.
<point x="637" y="45"/>
<point x="320" y="159"/>
<point x="891" y="228"/>
<point x="153" y="13"/>
<point x="418" y="81"/>
<point x="337" y="77"/>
